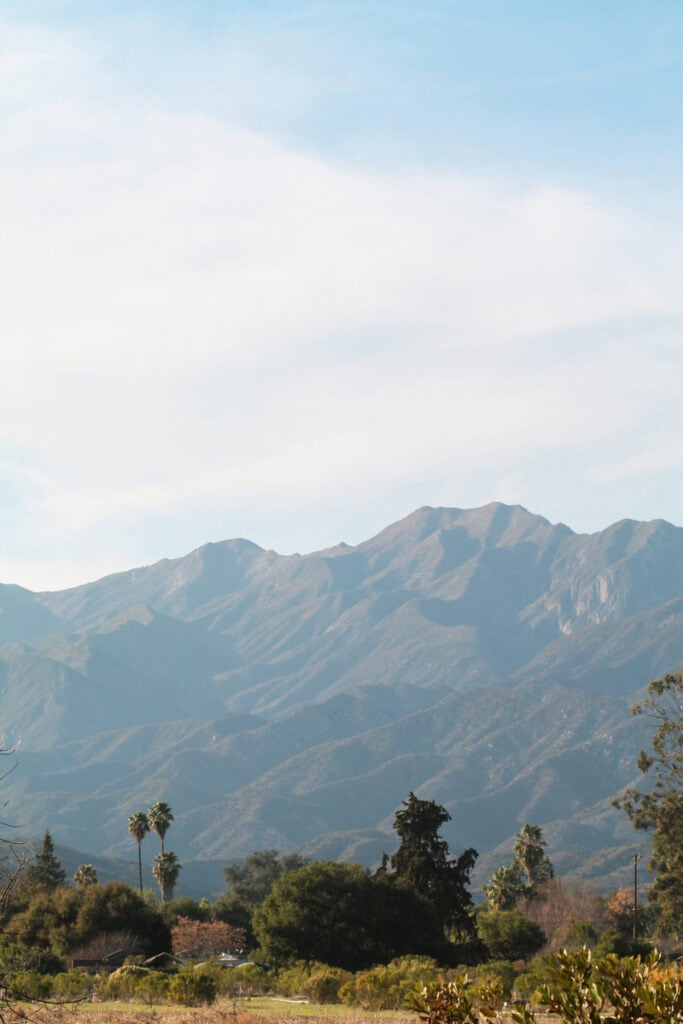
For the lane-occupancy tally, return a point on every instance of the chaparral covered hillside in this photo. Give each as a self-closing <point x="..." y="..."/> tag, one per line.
<point x="484" y="658"/>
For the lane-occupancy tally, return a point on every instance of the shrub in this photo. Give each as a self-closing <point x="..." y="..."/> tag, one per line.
<point x="315" y="981"/>
<point x="386" y="987"/>
<point x="445" y="1002"/>
<point x="249" y="980"/>
<point x="121" y="983"/>
<point x="580" y="987"/>
<point x="493" y="982"/>
<point x="291" y="980"/>
<point x="28" y="985"/>
<point x="192" y="988"/>
<point x="152" y="989"/>
<point x="71" y="985"/>
<point x="323" y="984"/>
<point x="15" y="956"/>
<point x="509" y="935"/>
<point x="528" y="986"/>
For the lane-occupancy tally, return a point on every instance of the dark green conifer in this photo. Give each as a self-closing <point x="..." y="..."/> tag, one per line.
<point x="45" y="869"/>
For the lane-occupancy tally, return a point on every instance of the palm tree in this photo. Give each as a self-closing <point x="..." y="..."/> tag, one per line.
<point x="160" y="817"/>
<point x="166" y="870"/>
<point x="138" y="826"/>
<point x="530" y="853"/>
<point x="504" y="888"/>
<point x="86" y="874"/>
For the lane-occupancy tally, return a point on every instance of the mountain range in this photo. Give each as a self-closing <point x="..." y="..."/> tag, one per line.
<point x="484" y="658"/>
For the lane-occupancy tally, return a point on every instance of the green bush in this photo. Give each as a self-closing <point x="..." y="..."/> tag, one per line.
<point x="386" y="986"/>
<point x="493" y="982"/>
<point x="509" y="935"/>
<point x="290" y="981"/>
<point x="70" y="985"/>
<point x="28" y="985"/>
<point x="249" y="980"/>
<point x="15" y="956"/>
<point x="622" y="945"/>
<point x="121" y="983"/>
<point x="323" y="984"/>
<point x="152" y="989"/>
<point x="528" y="986"/>
<point x="579" y="988"/>
<point x="315" y="981"/>
<point x="445" y="1002"/>
<point x="192" y="988"/>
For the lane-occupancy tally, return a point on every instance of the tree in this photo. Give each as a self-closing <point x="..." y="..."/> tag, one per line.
<point x="166" y="870"/>
<point x="560" y="907"/>
<point x="45" y="870"/>
<point x="205" y="938"/>
<point x="524" y="877"/>
<point x="509" y="935"/>
<point x="115" y="908"/>
<point x="531" y="857"/>
<point x="138" y="826"/>
<point x="660" y="808"/>
<point x="185" y="906"/>
<point x="338" y="914"/>
<point x="250" y="880"/>
<point x="69" y="918"/>
<point x="505" y="888"/>
<point x="86" y="874"/>
<point x="160" y="817"/>
<point x="422" y="863"/>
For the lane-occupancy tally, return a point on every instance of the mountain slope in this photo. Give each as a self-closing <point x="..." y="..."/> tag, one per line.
<point x="485" y="658"/>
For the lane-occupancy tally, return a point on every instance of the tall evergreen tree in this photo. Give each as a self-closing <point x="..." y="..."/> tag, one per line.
<point x="422" y="863"/>
<point x="45" y="869"/>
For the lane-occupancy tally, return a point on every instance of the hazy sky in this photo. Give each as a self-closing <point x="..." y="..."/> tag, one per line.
<point x="289" y="270"/>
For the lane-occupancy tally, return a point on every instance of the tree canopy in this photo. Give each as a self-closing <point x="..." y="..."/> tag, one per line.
<point x="337" y="913"/>
<point x="531" y="857"/>
<point x="166" y="869"/>
<point x="509" y="935"/>
<point x="45" y="869"/>
<point x="525" y="876"/>
<point x="159" y="818"/>
<point x="660" y="807"/>
<point x="422" y="863"/>
<point x="251" y="879"/>
<point x="71" y="917"/>
<point x="86" y="874"/>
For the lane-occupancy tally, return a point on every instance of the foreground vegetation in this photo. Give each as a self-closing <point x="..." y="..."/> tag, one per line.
<point x="407" y="935"/>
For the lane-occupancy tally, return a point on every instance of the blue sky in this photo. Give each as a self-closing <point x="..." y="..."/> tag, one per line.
<point x="290" y="270"/>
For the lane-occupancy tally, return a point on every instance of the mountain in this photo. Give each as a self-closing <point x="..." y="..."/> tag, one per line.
<point x="484" y="658"/>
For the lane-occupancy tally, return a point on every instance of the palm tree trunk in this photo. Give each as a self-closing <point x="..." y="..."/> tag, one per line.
<point x="140" y="863"/>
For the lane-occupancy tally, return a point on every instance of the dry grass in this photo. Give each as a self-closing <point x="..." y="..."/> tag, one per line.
<point x="222" y="1012"/>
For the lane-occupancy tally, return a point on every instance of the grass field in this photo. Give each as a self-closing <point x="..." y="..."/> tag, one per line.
<point x="224" y="1011"/>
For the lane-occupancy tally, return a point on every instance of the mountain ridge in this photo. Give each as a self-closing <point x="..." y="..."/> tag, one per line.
<point x="293" y="700"/>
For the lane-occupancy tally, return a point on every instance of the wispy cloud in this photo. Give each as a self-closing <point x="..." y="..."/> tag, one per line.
<point x="196" y="316"/>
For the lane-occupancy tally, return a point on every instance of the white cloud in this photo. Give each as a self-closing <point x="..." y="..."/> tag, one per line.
<point x="199" y="316"/>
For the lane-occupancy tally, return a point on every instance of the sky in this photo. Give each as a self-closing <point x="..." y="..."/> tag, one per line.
<point x="289" y="270"/>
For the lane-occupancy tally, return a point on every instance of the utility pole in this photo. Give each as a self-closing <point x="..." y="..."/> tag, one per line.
<point x="635" y="896"/>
